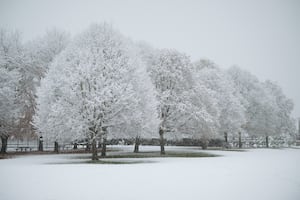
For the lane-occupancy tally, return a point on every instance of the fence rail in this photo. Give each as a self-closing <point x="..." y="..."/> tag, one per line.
<point x="247" y="142"/>
<point x="32" y="145"/>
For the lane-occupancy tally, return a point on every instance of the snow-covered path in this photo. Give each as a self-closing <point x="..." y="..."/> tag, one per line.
<point x="266" y="174"/>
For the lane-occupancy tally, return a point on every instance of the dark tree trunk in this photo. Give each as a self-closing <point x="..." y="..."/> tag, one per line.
<point x="41" y="146"/>
<point x="94" y="149"/>
<point x="88" y="147"/>
<point x="75" y="146"/>
<point x="99" y="144"/>
<point x="267" y="141"/>
<point x="4" y="140"/>
<point x="136" y="144"/>
<point x="204" y="144"/>
<point x="103" y="145"/>
<point x="162" y="142"/>
<point x="226" y="139"/>
<point x="56" y="148"/>
<point x="103" y="149"/>
<point x="240" y="140"/>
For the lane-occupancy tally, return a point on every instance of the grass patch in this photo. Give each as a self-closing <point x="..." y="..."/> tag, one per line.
<point x="117" y="162"/>
<point x="116" y="157"/>
<point x="168" y="154"/>
<point x="5" y="156"/>
<point x="109" y="162"/>
<point x="236" y="150"/>
<point x="152" y="154"/>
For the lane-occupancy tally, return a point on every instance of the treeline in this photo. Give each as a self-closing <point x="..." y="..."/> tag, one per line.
<point x="100" y="85"/>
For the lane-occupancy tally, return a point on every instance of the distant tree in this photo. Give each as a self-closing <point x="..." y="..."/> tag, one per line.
<point x="201" y="111"/>
<point x="254" y="100"/>
<point x="285" y="123"/>
<point x="39" y="54"/>
<point x="268" y="111"/>
<point x="171" y="74"/>
<point x="144" y="121"/>
<point x="231" y="116"/>
<point x="8" y="105"/>
<point x="42" y="50"/>
<point x="11" y="60"/>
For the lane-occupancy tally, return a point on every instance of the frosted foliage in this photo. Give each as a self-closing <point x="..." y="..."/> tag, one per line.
<point x="10" y="64"/>
<point x="43" y="50"/>
<point x="97" y="78"/>
<point x="36" y="57"/>
<point x="102" y="84"/>
<point x="285" y="124"/>
<point x="144" y="120"/>
<point x="267" y="109"/>
<point x="57" y="118"/>
<point x="171" y="74"/>
<point x="196" y="116"/>
<point x="8" y="107"/>
<point x="230" y="111"/>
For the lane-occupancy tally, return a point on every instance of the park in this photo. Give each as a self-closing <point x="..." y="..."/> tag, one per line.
<point x="130" y="100"/>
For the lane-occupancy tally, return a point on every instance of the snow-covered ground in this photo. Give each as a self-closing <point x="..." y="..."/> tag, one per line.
<point x="259" y="174"/>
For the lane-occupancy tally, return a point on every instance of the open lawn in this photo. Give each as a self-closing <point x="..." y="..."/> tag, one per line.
<point x="184" y="173"/>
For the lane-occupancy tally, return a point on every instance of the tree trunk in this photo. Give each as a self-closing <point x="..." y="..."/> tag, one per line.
<point x="4" y="140"/>
<point x="240" y="140"/>
<point x="226" y="139"/>
<point x="41" y="146"/>
<point x="94" y="149"/>
<point x="136" y="144"/>
<point x="267" y="141"/>
<point x="103" y="149"/>
<point x="56" y="148"/>
<point x="88" y="147"/>
<point x="204" y="144"/>
<point x="75" y="146"/>
<point x="162" y="142"/>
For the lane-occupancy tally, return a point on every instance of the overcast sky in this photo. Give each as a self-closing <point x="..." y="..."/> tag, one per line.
<point x="262" y="36"/>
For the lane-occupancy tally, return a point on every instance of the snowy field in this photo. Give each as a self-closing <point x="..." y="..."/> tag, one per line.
<point x="259" y="174"/>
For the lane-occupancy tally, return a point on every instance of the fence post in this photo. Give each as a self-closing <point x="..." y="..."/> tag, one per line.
<point x="240" y="140"/>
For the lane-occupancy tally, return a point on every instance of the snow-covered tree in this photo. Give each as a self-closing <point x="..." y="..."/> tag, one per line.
<point x="97" y="79"/>
<point x="8" y="105"/>
<point x="254" y="97"/>
<point x="171" y="74"/>
<point x="57" y="117"/>
<point x="11" y="60"/>
<point x="144" y="121"/>
<point x="39" y="53"/>
<point x="228" y="101"/>
<point x="283" y="107"/>
<point x="42" y="50"/>
<point x="193" y="107"/>
<point x="199" y="123"/>
<point x="267" y="109"/>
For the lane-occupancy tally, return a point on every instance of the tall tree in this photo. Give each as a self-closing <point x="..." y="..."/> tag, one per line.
<point x="228" y="100"/>
<point x="268" y="111"/>
<point x="97" y="73"/>
<point x="39" y="54"/>
<point x="11" y="60"/>
<point x="144" y="119"/>
<point x="285" y="123"/>
<point x="171" y="74"/>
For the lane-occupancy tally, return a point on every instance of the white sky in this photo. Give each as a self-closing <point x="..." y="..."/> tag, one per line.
<point x="262" y="36"/>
